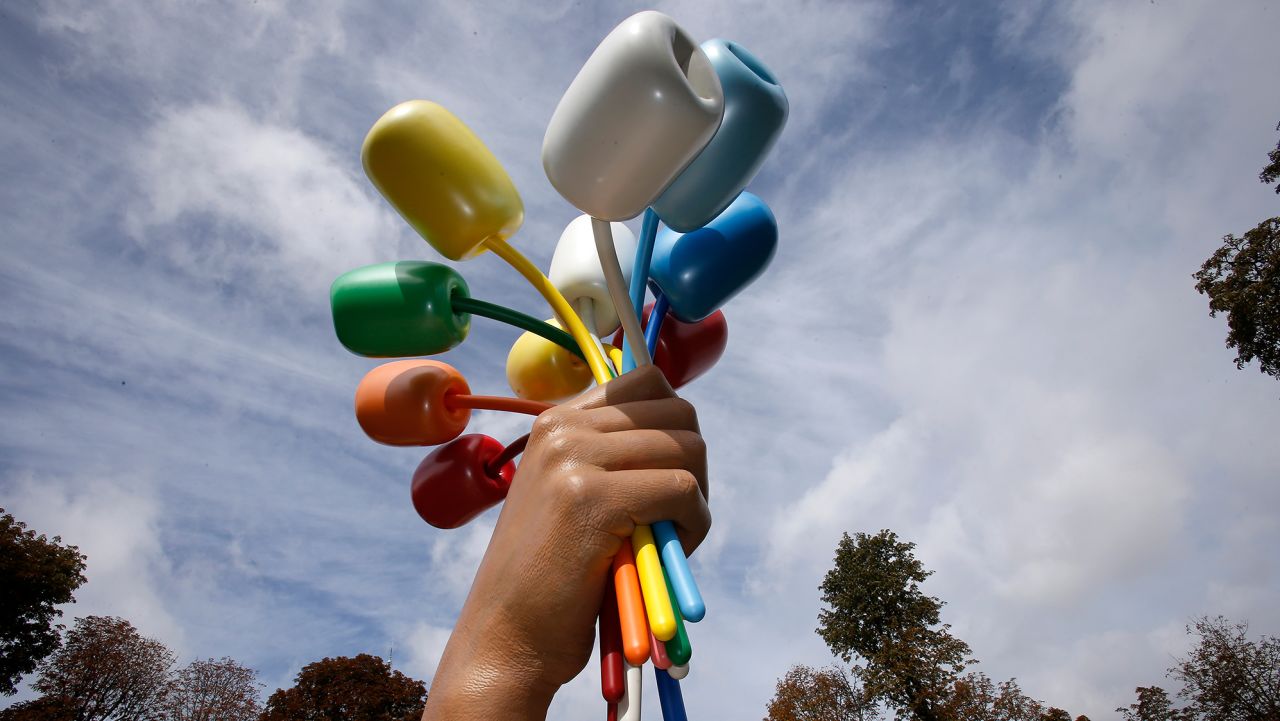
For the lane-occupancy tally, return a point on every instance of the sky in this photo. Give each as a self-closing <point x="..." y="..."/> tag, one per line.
<point x="980" y="329"/>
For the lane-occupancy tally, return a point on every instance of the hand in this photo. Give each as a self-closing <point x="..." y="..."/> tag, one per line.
<point x="623" y="454"/>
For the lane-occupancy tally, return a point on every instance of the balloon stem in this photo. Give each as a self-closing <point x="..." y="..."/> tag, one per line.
<point x="617" y="284"/>
<point x="561" y="307"/>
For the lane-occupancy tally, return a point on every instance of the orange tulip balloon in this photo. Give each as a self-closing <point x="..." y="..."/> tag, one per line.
<point x="405" y="403"/>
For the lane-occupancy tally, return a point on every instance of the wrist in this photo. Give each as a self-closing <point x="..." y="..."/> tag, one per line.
<point x="487" y="672"/>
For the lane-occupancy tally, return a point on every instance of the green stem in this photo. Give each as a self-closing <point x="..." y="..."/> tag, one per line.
<point x="475" y="306"/>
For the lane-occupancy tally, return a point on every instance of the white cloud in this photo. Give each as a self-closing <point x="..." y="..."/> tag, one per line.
<point x="281" y="206"/>
<point x="118" y="530"/>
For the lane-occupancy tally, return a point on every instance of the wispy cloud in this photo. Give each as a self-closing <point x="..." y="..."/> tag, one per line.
<point x="979" y="331"/>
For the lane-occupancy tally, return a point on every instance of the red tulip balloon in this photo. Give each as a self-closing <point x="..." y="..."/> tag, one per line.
<point x="687" y="350"/>
<point x="455" y="483"/>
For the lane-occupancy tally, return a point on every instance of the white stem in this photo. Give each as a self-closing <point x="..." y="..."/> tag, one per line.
<point x="629" y="706"/>
<point x="586" y="311"/>
<point x="619" y="291"/>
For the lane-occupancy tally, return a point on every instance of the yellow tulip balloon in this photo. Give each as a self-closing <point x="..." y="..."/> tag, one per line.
<point x="441" y="178"/>
<point x="539" y="370"/>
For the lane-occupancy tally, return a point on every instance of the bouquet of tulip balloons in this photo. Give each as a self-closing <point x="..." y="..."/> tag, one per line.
<point x="654" y="123"/>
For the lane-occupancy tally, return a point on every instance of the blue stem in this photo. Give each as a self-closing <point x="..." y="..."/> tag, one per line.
<point x="640" y="276"/>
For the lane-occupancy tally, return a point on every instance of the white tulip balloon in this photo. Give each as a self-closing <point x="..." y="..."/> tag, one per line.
<point x="577" y="272"/>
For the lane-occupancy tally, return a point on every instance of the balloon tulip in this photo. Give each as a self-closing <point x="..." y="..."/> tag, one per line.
<point x="453" y="484"/>
<point x="441" y="178"/>
<point x="640" y="109"/>
<point x="701" y="270"/>
<point x="577" y="272"/>
<point x="687" y="350"/>
<point x="405" y="403"/>
<point x="755" y="109"/>
<point x="539" y="370"/>
<point x="393" y="310"/>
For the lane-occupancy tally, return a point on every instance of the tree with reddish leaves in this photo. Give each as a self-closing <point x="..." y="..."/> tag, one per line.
<point x="827" y="694"/>
<point x="37" y="574"/>
<point x="360" y="688"/>
<point x="106" y="671"/>
<point x="209" y="690"/>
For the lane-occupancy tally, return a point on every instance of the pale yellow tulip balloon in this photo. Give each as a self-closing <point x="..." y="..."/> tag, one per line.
<point x="441" y="178"/>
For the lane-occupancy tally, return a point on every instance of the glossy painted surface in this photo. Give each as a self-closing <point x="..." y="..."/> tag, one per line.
<point x="678" y="672"/>
<point x="631" y="617"/>
<point x="453" y="485"/>
<point x="402" y="403"/>
<point x="612" y="674"/>
<point x="630" y="705"/>
<point x="394" y="310"/>
<point x="658" y="653"/>
<point x="640" y="109"/>
<point x="539" y="370"/>
<point x="669" y="697"/>
<point x="755" y="111"/>
<point x="679" y="649"/>
<point x="702" y="270"/>
<point x="681" y="588"/>
<point x="685" y="351"/>
<point x="657" y="601"/>
<point x="441" y="178"/>
<point x="577" y="272"/>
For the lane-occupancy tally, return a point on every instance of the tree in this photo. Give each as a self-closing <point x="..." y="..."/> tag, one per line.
<point x="107" y="671"/>
<point x="876" y="611"/>
<point x="210" y="690"/>
<point x="1271" y="173"/>
<point x="1227" y="677"/>
<point x="45" y="708"/>
<point x="975" y="696"/>
<point x="37" y="574"/>
<point x="363" y="688"/>
<point x="1154" y="704"/>
<point x="810" y="694"/>
<point x="1242" y="279"/>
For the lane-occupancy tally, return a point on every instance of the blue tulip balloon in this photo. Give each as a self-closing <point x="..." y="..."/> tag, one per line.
<point x="755" y="109"/>
<point x="701" y="270"/>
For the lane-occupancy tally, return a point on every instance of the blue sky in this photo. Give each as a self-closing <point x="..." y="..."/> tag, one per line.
<point x="980" y="329"/>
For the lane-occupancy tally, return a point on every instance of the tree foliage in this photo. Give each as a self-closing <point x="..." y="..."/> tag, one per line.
<point x="975" y="696"/>
<point x="107" y="671"/>
<point x="810" y="694"/>
<point x="37" y="574"/>
<point x="360" y="688"/>
<point x="1154" y="704"/>
<point x="1271" y="173"/>
<point x="877" y="612"/>
<point x="1242" y="279"/>
<point x="209" y="690"/>
<point x="1227" y="677"/>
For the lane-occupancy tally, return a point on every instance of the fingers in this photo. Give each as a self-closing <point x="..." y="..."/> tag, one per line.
<point x="674" y="414"/>
<point x="649" y="449"/>
<point x="654" y="495"/>
<point x="640" y="384"/>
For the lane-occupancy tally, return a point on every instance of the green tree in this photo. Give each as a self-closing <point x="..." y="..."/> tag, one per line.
<point x="106" y="671"/>
<point x="37" y="574"/>
<point x="1154" y="704"/>
<point x="209" y="690"/>
<point x="877" y="612"/>
<point x="1242" y="279"/>
<point x="1271" y="173"/>
<point x="363" y="688"/>
<point x="1227" y="677"/>
<point x="810" y="694"/>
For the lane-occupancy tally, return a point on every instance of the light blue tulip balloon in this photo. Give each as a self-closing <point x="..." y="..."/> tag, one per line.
<point x="755" y="109"/>
<point x="701" y="270"/>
